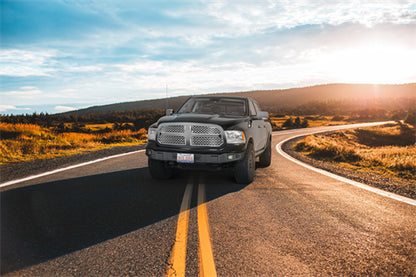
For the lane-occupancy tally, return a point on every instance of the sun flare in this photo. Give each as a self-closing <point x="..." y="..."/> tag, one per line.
<point x="377" y="64"/>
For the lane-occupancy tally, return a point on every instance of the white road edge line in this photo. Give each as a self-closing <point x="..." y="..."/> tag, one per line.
<point x="342" y="179"/>
<point x="9" y="183"/>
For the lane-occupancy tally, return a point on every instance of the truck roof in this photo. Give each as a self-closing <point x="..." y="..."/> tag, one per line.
<point x="219" y="96"/>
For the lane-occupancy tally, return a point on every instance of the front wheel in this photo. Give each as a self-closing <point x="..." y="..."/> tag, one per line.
<point x="244" y="169"/>
<point x="265" y="158"/>
<point x="158" y="170"/>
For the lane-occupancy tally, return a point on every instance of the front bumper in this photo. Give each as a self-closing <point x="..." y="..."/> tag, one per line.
<point x="199" y="158"/>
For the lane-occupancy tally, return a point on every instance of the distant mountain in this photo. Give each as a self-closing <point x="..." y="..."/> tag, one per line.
<point x="363" y="96"/>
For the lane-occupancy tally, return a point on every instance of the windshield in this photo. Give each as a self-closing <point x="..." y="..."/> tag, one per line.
<point x="221" y="106"/>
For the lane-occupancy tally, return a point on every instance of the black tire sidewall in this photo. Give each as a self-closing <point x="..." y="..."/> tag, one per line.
<point x="266" y="157"/>
<point x="245" y="169"/>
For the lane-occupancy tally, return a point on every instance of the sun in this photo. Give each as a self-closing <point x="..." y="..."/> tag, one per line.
<point x="376" y="63"/>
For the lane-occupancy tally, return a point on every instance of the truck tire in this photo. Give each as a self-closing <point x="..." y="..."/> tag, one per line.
<point x="265" y="158"/>
<point x="158" y="170"/>
<point x="244" y="169"/>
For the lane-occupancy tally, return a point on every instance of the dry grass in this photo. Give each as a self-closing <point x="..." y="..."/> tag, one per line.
<point x="97" y="127"/>
<point x="24" y="142"/>
<point x="313" y="120"/>
<point x="389" y="149"/>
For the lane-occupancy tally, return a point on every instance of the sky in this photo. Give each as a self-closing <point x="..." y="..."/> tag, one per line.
<point x="60" y="55"/>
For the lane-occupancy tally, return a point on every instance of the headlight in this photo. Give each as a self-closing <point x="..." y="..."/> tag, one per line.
<point x="151" y="134"/>
<point x="235" y="137"/>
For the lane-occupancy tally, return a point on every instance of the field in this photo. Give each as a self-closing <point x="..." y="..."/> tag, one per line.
<point x="25" y="142"/>
<point x="278" y="122"/>
<point x="40" y="136"/>
<point x="389" y="150"/>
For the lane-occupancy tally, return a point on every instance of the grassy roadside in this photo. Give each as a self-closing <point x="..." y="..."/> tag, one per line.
<point x="21" y="142"/>
<point x="285" y="122"/>
<point x="388" y="150"/>
<point x="27" y="142"/>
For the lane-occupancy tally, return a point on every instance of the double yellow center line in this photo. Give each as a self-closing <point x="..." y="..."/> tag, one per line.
<point x="178" y="256"/>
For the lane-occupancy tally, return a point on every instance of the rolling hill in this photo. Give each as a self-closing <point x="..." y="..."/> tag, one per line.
<point x="341" y="96"/>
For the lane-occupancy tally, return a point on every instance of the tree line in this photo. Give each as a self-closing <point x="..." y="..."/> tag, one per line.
<point x="122" y="120"/>
<point x="138" y="119"/>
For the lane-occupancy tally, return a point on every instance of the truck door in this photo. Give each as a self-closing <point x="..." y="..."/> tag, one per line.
<point x="258" y="127"/>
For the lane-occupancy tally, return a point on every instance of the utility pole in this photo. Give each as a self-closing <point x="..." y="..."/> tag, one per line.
<point x="167" y="99"/>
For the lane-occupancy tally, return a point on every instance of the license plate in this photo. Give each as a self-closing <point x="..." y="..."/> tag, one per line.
<point x="185" y="158"/>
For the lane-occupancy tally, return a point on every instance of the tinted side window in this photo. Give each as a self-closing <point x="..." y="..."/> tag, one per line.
<point x="256" y="106"/>
<point x="252" y="108"/>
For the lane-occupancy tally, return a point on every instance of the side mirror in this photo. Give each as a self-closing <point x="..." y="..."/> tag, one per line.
<point x="169" y="112"/>
<point x="262" y="115"/>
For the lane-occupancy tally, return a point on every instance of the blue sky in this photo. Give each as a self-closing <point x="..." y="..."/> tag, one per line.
<point x="57" y="55"/>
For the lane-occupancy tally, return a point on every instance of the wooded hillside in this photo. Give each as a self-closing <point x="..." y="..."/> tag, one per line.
<point x="332" y="98"/>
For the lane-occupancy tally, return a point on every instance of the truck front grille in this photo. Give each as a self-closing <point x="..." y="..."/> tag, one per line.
<point x="192" y="134"/>
<point x="206" y="141"/>
<point x="171" y="139"/>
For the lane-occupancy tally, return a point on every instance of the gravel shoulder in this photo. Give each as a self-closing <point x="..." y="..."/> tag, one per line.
<point x="18" y="170"/>
<point x="396" y="185"/>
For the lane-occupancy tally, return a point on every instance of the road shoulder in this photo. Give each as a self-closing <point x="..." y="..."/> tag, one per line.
<point x="23" y="169"/>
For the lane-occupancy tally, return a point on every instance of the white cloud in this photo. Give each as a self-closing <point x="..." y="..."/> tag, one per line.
<point x="147" y="66"/>
<point x="88" y="68"/>
<point x="28" y="88"/>
<point x="4" y="108"/>
<point x="23" y="92"/>
<point x="211" y="46"/>
<point x="23" y="71"/>
<point x="23" y="63"/>
<point x="64" y="109"/>
<point x="291" y="62"/>
<point x="67" y="90"/>
<point x="20" y="56"/>
<point x="247" y="17"/>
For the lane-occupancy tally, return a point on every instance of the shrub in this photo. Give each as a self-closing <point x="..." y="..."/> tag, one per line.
<point x="288" y="123"/>
<point x="305" y="123"/>
<point x="297" y="122"/>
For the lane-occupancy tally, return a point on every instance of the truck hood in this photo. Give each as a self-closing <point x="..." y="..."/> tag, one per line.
<point x="224" y="122"/>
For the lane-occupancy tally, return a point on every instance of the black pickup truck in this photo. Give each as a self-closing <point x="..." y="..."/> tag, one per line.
<point x="211" y="132"/>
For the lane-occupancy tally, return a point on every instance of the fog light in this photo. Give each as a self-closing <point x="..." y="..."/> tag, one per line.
<point x="230" y="157"/>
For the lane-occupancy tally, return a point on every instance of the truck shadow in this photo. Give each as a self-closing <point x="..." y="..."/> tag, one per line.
<point x="48" y="220"/>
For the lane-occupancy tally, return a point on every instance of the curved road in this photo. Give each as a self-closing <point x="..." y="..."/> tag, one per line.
<point x="111" y="218"/>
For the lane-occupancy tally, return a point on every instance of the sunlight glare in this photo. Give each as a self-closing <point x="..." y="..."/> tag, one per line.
<point x="376" y="64"/>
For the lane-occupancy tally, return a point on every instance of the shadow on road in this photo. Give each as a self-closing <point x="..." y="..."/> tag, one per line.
<point x="48" y="220"/>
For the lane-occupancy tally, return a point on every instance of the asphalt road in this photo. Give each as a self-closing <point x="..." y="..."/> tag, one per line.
<point x="111" y="218"/>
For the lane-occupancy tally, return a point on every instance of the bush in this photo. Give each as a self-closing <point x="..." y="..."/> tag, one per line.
<point x="411" y="118"/>
<point x="297" y="122"/>
<point x="305" y="123"/>
<point x="288" y="123"/>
